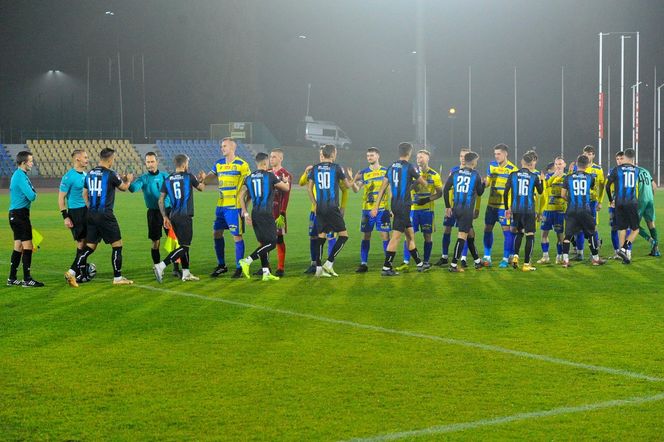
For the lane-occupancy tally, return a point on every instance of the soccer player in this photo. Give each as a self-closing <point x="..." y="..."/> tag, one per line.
<point x="280" y="205"/>
<point x="313" y="228"/>
<point x="151" y="183"/>
<point x="625" y="198"/>
<point x="615" y="239"/>
<point x="497" y="174"/>
<point x="325" y="177"/>
<point x="466" y="186"/>
<point x="520" y="208"/>
<point x="449" y="221"/>
<point x="401" y="176"/>
<point x="553" y="207"/>
<point x="647" y="187"/>
<point x="230" y="172"/>
<point x="421" y="211"/>
<point x="579" y="216"/>
<point x="261" y="185"/>
<point x="73" y="209"/>
<point x="99" y="195"/>
<point x="21" y="196"/>
<point x="370" y="178"/>
<point x="596" y="197"/>
<point x="178" y="187"/>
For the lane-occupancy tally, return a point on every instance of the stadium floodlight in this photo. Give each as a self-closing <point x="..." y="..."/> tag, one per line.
<point x="451" y="113"/>
<point x="109" y="13"/>
<point x="302" y="37"/>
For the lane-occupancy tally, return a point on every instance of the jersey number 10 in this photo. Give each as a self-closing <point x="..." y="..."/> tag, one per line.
<point x="628" y="179"/>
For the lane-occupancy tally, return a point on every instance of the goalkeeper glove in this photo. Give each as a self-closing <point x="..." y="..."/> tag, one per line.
<point x="280" y="221"/>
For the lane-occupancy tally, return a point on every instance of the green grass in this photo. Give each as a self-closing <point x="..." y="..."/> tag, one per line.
<point x="324" y="359"/>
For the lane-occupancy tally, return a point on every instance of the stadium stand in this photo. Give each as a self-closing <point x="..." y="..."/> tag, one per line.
<point x="53" y="157"/>
<point x="7" y="165"/>
<point x="202" y="153"/>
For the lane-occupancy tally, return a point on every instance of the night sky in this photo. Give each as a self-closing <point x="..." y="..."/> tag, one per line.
<point x="218" y="61"/>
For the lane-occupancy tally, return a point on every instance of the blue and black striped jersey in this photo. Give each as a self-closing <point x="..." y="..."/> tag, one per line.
<point x="326" y="178"/>
<point x="101" y="183"/>
<point x="401" y="175"/>
<point x="624" y="179"/>
<point x="578" y="186"/>
<point x="260" y="184"/>
<point x="466" y="185"/>
<point x="178" y="186"/>
<point x="520" y="190"/>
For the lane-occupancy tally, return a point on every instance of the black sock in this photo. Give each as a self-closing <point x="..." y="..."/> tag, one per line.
<point x="341" y="240"/>
<point x="518" y="237"/>
<point x="389" y="258"/>
<point x="592" y="241"/>
<point x="15" y="261"/>
<point x="185" y="258"/>
<point x="319" y="251"/>
<point x="625" y="246"/>
<point x="156" y="258"/>
<point x="265" y="261"/>
<point x="82" y="262"/>
<point x="415" y="255"/>
<point x="471" y="247"/>
<point x="174" y="255"/>
<point x="566" y="245"/>
<point x="530" y="242"/>
<point x="458" y="249"/>
<point x="116" y="261"/>
<point x="74" y="265"/>
<point x="27" y="262"/>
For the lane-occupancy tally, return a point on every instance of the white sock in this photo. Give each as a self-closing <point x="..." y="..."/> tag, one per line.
<point x="185" y="272"/>
<point x="161" y="266"/>
<point x="565" y="257"/>
<point x="545" y="254"/>
<point x="266" y="271"/>
<point x="249" y="259"/>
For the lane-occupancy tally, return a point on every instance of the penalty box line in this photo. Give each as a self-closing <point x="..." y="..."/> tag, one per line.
<point x="561" y="411"/>
<point x="411" y="334"/>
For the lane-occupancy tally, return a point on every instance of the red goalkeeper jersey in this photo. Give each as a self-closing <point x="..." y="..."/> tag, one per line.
<point x="281" y="198"/>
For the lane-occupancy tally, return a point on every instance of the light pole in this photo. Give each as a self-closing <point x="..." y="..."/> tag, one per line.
<point x="659" y="132"/>
<point x="117" y="37"/>
<point x="635" y="120"/>
<point x="470" y="106"/>
<point x="562" y="112"/>
<point x="516" y="148"/>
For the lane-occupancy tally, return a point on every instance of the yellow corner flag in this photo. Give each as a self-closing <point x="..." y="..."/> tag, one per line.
<point x="171" y="242"/>
<point x="37" y="239"/>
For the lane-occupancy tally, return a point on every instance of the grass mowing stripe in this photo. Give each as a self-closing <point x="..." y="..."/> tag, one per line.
<point x="451" y="428"/>
<point x="411" y="334"/>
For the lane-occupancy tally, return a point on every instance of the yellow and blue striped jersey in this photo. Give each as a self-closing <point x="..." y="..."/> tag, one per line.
<point x="496" y="179"/>
<point x="230" y="177"/>
<point x="433" y="182"/>
<point x="372" y="180"/>
<point x="551" y="199"/>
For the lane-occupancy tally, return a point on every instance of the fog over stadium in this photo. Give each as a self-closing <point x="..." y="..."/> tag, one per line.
<point x="221" y="61"/>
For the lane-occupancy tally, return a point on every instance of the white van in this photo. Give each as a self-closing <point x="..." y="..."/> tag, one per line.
<point x="318" y="133"/>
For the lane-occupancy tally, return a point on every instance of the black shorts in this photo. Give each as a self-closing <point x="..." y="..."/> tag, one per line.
<point x="79" y="217"/>
<point x="627" y="216"/>
<point x="103" y="225"/>
<point x="579" y="221"/>
<point x="401" y="220"/>
<point x="183" y="227"/>
<point x="264" y="227"/>
<point x="523" y="221"/>
<point x="464" y="218"/>
<point x="19" y="221"/>
<point x="329" y="219"/>
<point x="156" y="224"/>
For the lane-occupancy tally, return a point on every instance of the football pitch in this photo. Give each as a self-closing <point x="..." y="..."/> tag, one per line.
<point x="486" y="355"/>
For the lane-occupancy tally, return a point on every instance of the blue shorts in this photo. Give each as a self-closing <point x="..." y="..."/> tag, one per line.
<point x="422" y="220"/>
<point x="593" y="209"/>
<point x="612" y="218"/>
<point x="553" y="220"/>
<point x="494" y="215"/>
<point x="229" y="218"/>
<point x="381" y="221"/>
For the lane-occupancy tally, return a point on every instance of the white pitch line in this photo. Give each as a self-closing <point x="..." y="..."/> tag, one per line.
<point x="411" y="334"/>
<point x="451" y="428"/>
